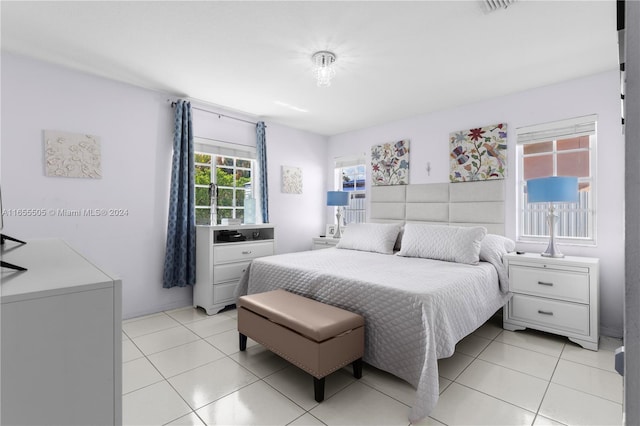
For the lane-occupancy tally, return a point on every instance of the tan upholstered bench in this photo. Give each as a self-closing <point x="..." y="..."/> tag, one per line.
<point x="316" y="337"/>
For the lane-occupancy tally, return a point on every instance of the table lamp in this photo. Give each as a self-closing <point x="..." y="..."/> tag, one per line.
<point x="337" y="199"/>
<point x="553" y="189"/>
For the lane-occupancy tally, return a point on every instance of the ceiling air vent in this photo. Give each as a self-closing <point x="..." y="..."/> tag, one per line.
<point x="491" y="5"/>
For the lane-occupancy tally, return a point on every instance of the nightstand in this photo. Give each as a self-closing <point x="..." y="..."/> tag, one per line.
<point x="323" y="242"/>
<point x="556" y="295"/>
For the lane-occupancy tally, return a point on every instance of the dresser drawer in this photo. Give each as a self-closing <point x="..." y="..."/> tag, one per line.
<point x="566" y="285"/>
<point x="323" y="242"/>
<point x="237" y="252"/>
<point x="229" y="271"/>
<point x="225" y="293"/>
<point x="563" y="316"/>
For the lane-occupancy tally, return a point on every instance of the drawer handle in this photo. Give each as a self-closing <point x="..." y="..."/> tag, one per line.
<point x="543" y="283"/>
<point x="545" y="312"/>
<point x="246" y="252"/>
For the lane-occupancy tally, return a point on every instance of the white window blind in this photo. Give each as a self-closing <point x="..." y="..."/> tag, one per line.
<point x="217" y="147"/>
<point x="349" y="161"/>
<point x="573" y="127"/>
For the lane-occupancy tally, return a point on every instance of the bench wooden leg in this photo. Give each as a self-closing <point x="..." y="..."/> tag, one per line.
<point x="318" y="389"/>
<point x="243" y="342"/>
<point x="357" y="368"/>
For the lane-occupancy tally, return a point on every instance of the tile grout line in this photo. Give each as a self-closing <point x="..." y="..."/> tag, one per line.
<point x="477" y="357"/>
<point x="513" y="369"/>
<point x="580" y="390"/>
<point x="546" y="390"/>
<point x="491" y="340"/>
<point x="166" y="379"/>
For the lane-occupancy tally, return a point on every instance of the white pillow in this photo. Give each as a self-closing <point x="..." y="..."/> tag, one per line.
<point x="493" y="247"/>
<point x="375" y="237"/>
<point x="451" y="243"/>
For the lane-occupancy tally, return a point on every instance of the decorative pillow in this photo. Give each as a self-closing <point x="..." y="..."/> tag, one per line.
<point x="375" y="237"/>
<point x="494" y="246"/>
<point x="451" y="243"/>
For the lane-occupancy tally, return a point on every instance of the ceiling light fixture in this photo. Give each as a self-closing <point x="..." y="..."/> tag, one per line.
<point x="493" y="5"/>
<point x="323" y="67"/>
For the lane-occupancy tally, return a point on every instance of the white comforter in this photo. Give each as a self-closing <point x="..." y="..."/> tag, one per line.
<point x="415" y="310"/>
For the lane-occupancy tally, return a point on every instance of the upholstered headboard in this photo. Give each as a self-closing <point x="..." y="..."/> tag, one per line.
<point x="460" y="204"/>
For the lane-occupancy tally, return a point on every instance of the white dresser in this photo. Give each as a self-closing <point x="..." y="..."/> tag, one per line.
<point x="555" y="295"/>
<point x="220" y="264"/>
<point x="318" y="243"/>
<point x="61" y="338"/>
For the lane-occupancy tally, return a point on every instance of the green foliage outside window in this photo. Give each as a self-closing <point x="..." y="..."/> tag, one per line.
<point x="231" y="176"/>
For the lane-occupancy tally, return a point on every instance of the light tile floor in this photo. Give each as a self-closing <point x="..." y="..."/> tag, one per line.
<point x="182" y="367"/>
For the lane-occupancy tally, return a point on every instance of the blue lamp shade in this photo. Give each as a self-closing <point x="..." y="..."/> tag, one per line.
<point x="337" y="198"/>
<point x="553" y="189"/>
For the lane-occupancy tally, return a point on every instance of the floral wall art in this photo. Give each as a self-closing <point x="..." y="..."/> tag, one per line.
<point x="291" y="180"/>
<point x="72" y="155"/>
<point x="390" y="163"/>
<point x="478" y="154"/>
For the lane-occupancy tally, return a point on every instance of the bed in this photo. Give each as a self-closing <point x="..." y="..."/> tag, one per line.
<point x="420" y="297"/>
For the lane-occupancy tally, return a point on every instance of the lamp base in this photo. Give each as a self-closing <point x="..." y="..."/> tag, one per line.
<point x="338" y="232"/>
<point x="545" y="254"/>
<point x="552" y="249"/>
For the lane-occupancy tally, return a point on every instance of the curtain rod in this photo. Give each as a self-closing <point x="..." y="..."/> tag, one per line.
<point x="173" y="104"/>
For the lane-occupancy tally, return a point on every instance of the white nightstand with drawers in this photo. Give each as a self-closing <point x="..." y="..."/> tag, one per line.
<point x="557" y="295"/>
<point x="323" y="242"/>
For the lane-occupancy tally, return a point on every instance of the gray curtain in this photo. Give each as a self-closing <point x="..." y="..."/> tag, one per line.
<point x="261" y="148"/>
<point x="180" y="255"/>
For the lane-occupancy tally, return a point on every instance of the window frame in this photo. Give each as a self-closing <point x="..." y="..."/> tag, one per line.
<point x="591" y="227"/>
<point x="236" y="206"/>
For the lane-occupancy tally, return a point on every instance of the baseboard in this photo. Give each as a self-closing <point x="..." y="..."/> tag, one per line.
<point x="611" y="332"/>
<point x="155" y="309"/>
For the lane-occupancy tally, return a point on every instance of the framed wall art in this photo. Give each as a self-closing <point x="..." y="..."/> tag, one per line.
<point x="478" y="154"/>
<point x="72" y="155"/>
<point x="291" y="180"/>
<point x="390" y="163"/>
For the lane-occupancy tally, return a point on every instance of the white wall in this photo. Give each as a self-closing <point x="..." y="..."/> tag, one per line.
<point x="599" y="94"/>
<point x="297" y="217"/>
<point x="135" y="128"/>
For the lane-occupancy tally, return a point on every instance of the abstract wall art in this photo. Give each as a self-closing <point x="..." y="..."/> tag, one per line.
<point x="390" y="163"/>
<point x="478" y="154"/>
<point x="291" y="180"/>
<point x="72" y="155"/>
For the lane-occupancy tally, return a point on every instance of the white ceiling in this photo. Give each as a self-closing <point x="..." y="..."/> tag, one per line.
<point x="394" y="59"/>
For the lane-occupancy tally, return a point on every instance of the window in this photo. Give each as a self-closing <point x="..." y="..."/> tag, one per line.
<point x="565" y="148"/>
<point x="224" y="181"/>
<point x="225" y="173"/>
<point x="350" y="177"/>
